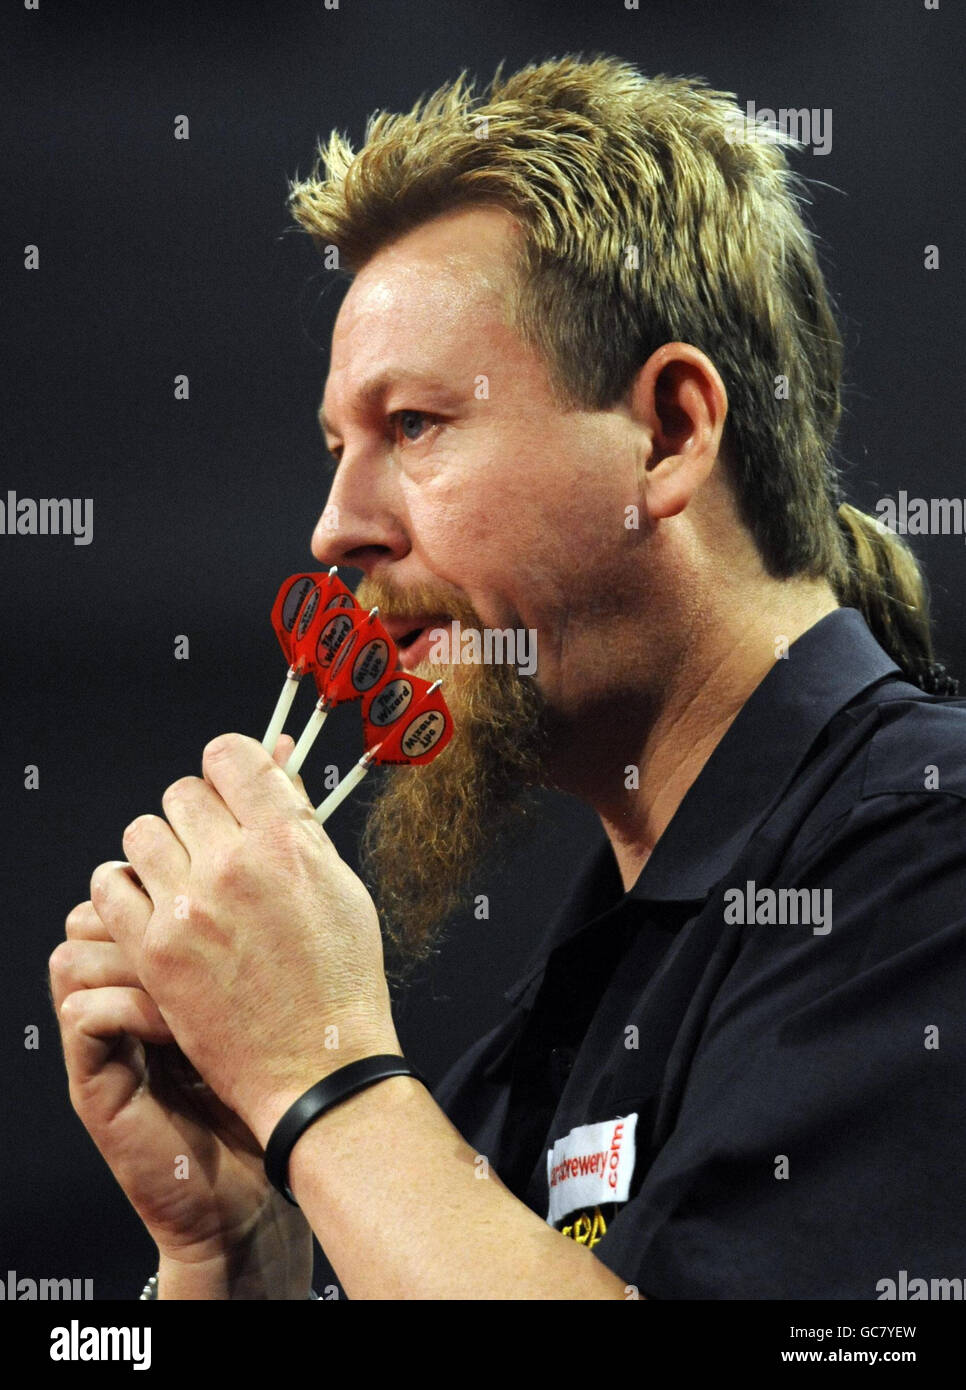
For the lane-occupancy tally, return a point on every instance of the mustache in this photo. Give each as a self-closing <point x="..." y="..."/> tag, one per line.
<point x="415" y="600"/>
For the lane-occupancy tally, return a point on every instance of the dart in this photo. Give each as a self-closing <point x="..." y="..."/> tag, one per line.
<point x="299" y="599"/>
<point x="349" y="663"/>
<point x="406" y="720"/>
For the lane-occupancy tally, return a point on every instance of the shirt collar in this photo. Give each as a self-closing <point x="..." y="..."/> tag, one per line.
<point x="747" y="772"/>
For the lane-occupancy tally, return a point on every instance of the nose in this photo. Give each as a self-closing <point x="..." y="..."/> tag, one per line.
<point x="360" y="523"/>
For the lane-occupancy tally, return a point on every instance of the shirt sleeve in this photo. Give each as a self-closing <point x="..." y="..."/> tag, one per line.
<point x="817" y="1151"/>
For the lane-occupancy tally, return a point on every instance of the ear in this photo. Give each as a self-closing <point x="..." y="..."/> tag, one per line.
<point x="681" y="401"/>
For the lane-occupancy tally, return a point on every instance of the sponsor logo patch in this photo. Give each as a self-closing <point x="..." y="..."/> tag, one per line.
<point x="591" y="1167"/>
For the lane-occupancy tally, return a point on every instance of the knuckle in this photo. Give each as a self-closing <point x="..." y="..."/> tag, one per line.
<point x="291" y="850"/>
<point x="179" y="791"/>
<point x="79" y="918"/>
<point x="71" y="1011"/>
<point x="221" y="747"/>
<point x="136" y="829"/>
<point x="159" y="953"/>
<point x="62" y="961"/>
<point x="100" y="885"/>
<point x="227" y="867"/>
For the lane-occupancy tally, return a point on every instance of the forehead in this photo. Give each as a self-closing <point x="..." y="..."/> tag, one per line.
<point x="432" y="302"/>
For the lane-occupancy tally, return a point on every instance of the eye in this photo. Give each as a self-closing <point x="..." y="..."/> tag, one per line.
<point x="411" y="423"/>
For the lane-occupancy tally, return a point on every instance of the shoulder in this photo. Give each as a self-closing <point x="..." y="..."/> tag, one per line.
<point x="919" y="745"/>
<point x="886" y="762"/>
<point x="881" y="825"/>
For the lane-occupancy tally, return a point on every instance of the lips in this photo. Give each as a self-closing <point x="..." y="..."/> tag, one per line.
<point x="411" y="635"/>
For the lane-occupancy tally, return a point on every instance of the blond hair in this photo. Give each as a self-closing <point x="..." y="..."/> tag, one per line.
<point x="651" y="213"/>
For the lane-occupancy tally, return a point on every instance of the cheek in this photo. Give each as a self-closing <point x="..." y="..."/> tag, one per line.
<point x="463" y="538"/>
<point x="517" y="579"/>
<point x="462" y="525"/>
<point x="517" y="539"/>
<point x="469" y="528"/>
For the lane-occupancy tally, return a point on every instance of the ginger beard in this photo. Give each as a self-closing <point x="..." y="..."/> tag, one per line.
<point x="430" y="827"/>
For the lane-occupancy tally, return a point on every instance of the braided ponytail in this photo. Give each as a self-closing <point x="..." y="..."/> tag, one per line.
<point x="883" y="581"/>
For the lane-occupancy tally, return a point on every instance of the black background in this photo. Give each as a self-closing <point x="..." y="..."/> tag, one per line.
<point x="160" y="257"/>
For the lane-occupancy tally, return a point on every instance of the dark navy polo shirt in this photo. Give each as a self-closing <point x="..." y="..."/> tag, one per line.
<point x="779" y="1000"/>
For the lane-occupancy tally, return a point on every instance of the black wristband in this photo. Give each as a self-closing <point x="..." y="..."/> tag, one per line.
<point x="342" y="1084"/>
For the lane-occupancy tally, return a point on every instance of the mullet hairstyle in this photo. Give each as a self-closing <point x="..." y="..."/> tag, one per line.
<point x="652" y="212"/>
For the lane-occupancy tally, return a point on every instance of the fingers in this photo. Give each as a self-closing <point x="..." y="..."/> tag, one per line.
<point x="251" y="784"/>
<point x="158" y="858"/>
<point x="119" y="901"/>
<point x="197" y="814"/>
<point x="96" y="1029"/>
<point x="283" y="751"/>
<point x="87" y="964"/>
<point x="103" y="1013"/>
<point x="83" y="924"/>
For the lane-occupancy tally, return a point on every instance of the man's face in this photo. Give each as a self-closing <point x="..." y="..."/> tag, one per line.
<point x="464" y="491"/>
<point x="462" y="483"/>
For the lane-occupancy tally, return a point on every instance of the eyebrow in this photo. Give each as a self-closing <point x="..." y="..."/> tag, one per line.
<point x="378" y="386"/>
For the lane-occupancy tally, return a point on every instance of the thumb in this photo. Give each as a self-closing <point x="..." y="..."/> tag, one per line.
<point x="283" y="751"/>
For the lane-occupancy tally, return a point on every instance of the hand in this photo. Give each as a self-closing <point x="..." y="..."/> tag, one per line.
<point x="189" y="1166"/>
<point x="259" y="945"/>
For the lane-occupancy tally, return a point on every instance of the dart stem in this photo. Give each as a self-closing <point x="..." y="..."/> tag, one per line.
<point x="351" y="780"/>
<point x="277" y="721"/>
<point x="308" y="736"/>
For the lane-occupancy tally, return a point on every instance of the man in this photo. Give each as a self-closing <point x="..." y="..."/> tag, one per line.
<point x="584" y="384"/>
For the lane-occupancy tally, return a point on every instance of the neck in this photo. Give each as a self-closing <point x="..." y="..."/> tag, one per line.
<point x="653" y="743"/>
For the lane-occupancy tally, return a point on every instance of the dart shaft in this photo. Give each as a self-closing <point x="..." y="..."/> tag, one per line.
<point x="277" y="722"/>
<point x="309" y="734"/>
<point x="336" y="797"/>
